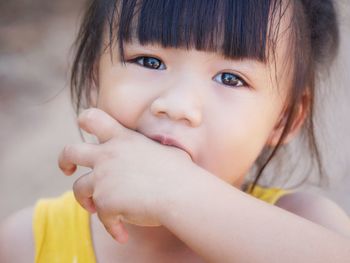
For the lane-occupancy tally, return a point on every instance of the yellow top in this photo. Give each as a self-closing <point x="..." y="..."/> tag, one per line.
<point x="62" y="231"/>
<point x="269" y="195"/>
<point x="62" y="228"/>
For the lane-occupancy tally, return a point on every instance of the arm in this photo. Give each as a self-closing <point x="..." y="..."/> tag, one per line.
<point x="16" y="238"/>
<point x="318" y="209"/>
<point x="216" y="220"/>
<point x="223" y="224"/>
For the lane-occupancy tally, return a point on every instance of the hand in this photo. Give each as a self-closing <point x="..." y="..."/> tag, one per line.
<point x="131" y="174"/>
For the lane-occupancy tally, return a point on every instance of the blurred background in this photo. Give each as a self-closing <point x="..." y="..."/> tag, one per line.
<point x="37" y="119"/>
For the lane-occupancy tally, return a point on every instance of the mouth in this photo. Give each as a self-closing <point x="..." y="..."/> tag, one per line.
<point x="170" y="142"/>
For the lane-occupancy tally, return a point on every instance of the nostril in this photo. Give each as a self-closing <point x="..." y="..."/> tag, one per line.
<point x="160" y="114"/>
<point x="157" y="107"/>
<point x="195" y="118"/>
<point x="177" y="110"/>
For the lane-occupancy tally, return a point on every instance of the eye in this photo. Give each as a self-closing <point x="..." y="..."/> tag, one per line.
<point x="149" y="62"/>
<point x="230" y="79"/>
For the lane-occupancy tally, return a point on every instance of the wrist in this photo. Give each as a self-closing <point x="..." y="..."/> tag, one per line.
<point x="183" y="193"/>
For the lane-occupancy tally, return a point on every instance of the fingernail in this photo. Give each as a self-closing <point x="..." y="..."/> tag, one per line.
<point x="70" y="170"/>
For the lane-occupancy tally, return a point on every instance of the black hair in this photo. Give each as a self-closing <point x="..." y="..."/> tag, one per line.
<point x="236" y="29"/>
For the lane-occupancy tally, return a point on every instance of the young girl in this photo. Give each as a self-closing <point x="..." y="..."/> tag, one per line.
<point x="184" y="98"/>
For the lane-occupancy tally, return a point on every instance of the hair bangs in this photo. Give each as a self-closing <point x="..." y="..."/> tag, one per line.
<point x="236" y="29"/>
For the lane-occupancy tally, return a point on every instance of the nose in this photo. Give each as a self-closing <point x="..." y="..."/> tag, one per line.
<point x="179" y="103"/>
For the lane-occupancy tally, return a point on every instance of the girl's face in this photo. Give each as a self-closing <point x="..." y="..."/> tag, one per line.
<point x="222" y="111"/>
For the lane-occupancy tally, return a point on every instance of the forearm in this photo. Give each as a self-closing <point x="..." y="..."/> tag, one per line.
<point x="223" y="224"/>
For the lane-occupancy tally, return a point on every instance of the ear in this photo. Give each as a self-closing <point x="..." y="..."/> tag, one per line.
<point x="301" y="114"/>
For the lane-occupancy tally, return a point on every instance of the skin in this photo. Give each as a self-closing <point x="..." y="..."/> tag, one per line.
<point x="217" y="123"/>
<point x="193" y="202"/>
<point x="185" y="101"/>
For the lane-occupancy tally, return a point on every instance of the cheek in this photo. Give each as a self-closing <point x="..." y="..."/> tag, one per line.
<point x="232" y="154"/>
<point x="236" y="141"/>
<point x="123" y="97"/>
<point x="117" y="107"/>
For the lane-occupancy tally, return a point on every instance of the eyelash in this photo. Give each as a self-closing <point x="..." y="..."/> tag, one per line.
<point x="138" y="60"/>
<point x="230" y="77"/>
<point x="157" y="64"/>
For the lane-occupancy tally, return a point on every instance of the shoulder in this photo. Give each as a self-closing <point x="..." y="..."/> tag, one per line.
<point x="16" y="237"/>
<point x="317" y="208"/>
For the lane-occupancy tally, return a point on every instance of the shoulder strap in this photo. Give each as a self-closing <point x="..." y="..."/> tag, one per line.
<point x="269" y="195"/>
<point x="62" y="231"/>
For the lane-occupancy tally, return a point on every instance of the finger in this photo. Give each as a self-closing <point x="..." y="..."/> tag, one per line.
<point x="100" y="124"/>
<point x="119" y="232"/>
<point x="82" y="154"/>
<point x="115" y="227"/>
<point x="83" y="189"/>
